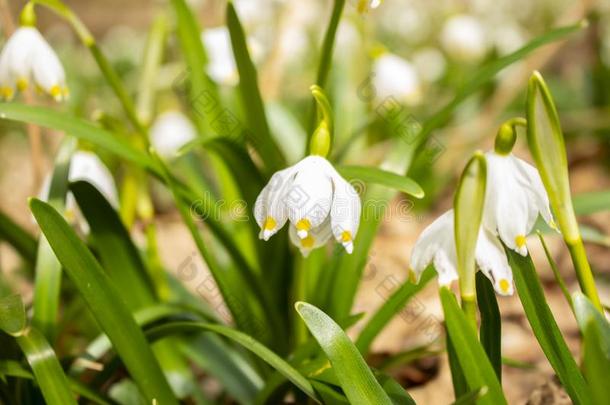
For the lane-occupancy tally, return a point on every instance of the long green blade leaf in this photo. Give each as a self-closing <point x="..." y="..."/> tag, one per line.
<point x="258" y="132"/>
<point x="202" y="94"/>
<point x="545" y="328"/>
<point x="596" y="332"/>
<point x="47" y="370"/>
<point x="473" y="361"/>
<point x="117" y="253"/>
<point x="385" y="178"/>
<point x="105" y="303"/>
<point x="49" y="118"/>
<point x="244" y="340"/>
<point x="47" y="282"/>
<point x="355" y="376"/>
<point x="491" y="323"/>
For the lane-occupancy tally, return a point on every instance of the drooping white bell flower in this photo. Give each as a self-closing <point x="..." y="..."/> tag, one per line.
<point x="221" y="64"/>
<point x="463" y="38"/>
<point x="365" y="5"/>
<point x="436" y="245"/>
<point x="397" y="78"/>
<point x="316" y="200"/>
<point x="514" y="198"/>
<point x="85" y="166"/>
<point x="26" y="58"/>
<point x="170" y="131"/>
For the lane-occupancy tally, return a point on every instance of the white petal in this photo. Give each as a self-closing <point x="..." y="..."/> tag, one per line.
<point x="47" y="70"/>
<point x="170" y="131"/>
<point x="270" y="211"/>
<point x="88" y="167"/>
<point x="436" y="245"/>
<point x="537" y="189"/>
<point x="507" y="207"/>
<point x="394" y="77"/>
<point x="345" y="212"/>
<point x="316" y="238"/>
<point x="310" y="195"/>
<point x="491" y="259"/>
<point x="16" y="58"/>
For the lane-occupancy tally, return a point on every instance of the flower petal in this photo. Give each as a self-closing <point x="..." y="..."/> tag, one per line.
<point x="436" y="245"/>
<point x="309" y="198"/>
<point x="536" y="187"/>
<point x="270" y="211"/>
<point x="345" y="212"/>
<point x="491" y="259"/>
<point x="316" y="238"/>
<point x="47" y="71"/>
<point x="507" y="209"/>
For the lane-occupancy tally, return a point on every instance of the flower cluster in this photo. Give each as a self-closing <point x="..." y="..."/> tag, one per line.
<point x="316" y="200"/>
<point x="514" y="198"/>
<point x="27" y="58"/>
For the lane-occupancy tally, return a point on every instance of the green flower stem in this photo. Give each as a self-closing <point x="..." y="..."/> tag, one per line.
<point x="469" y="306"/>
<point x="326" y="56"/>
<point x="583" y="271"/>
<point x="299" y="293"/>
<point x="89" y="41"/>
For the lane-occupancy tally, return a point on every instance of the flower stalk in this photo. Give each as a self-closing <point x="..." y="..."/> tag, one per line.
<point x="547" y="146"/>
<point x="468" y="205"/>
<point x="89" y="41"/>
<point x="321" y="140"/>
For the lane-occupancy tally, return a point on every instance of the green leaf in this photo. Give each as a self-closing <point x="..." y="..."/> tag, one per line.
<point x="47" y="282"/>
<point x="17" y="237"/>
<point x="239" y="162"/>
<point x="257" y="132"/>
<point x="491" y="322"/>
<point x="214" y="356"/>
<point x="471" y="397"/>
<point x="11" y="368"/>
<point x="12" y="314"/>
<point x="545" y="328"/>
<point x="355" y="377"/>
<point x="473" y="361"/>
<point x="117" y="253"/>
<point x="378" y="176"/>
<point x="202" y="93"/>
<point x="47" y="370"/>
<point x="389" y="309"/>
<point x="104" y="302"/>
<point x="244" y="340"/>
<point x="596" y="332"/>
<point x="490" y="70"/>
<point x="70" y="124"/>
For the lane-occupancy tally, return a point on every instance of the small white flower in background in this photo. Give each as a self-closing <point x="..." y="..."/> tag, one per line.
<point x="366" y="5"/>
<point x="514" y="198"/>
<point x="436" y="245"/>
<point x="463" y="38"/>
<point x="88" y="167"/>
<point x="397" y="78"/>
<point x="170" y="131"/>
<point x="27" y="58"/>
<point x="221" y="63"/>
<point x="316" y="200"/>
